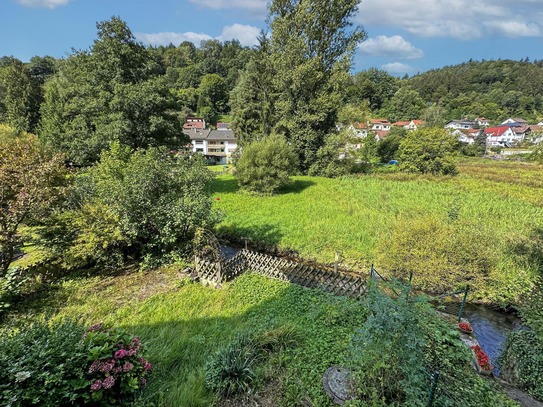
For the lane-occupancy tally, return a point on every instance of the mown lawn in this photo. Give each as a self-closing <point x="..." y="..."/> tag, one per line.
<point x="484" y="224"/>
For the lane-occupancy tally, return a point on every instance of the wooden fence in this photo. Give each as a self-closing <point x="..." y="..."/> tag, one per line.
<point x="337" y="282"/>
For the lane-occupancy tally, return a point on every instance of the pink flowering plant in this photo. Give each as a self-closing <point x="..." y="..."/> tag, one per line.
<point x="116" y="367"/>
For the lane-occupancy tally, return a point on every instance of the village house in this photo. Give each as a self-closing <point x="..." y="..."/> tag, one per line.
<point x="217" y="146"/>
<point x="515" y="120"/>
<point x="197" y="123"/>
<point x="379" y="125"/>
<point x="461" y="124"/>
<point x="506" y="135"/>
<point x="409" y="125"/>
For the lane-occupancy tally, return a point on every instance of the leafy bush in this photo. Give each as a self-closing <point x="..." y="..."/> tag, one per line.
<point x="62" y="364"/>
<point x="428" y="151"/>
<point x="522" y="361"/>
<point x="118" y="368"/>
<point x="44" y="365"/>
<point x="454" y="250"/>
<point x="266" y="165"/>
<point x="388" y="351"/>
<point x="401" y="344"/>
<point x="143" y="205"/>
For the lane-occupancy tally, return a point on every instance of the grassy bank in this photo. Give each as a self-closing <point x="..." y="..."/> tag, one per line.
<point x="182" y="324"/>
<point x="483" y="225"/>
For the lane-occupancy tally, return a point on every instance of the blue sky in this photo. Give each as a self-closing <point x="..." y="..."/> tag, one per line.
<point x="404" y="36"/>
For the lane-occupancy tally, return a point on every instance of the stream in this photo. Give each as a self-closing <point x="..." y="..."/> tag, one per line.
<point x="491" y="328"/>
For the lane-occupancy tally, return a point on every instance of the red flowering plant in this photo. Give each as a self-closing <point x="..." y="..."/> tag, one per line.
<point x="116" y="365"/>
<point x="482" y="358"/>
<point x="465" y="327"/>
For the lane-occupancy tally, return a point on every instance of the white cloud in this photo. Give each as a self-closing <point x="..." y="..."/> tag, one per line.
<point x="460" y="19"/>
<point x="256" y="7"/>
<point x="397" y="68"/>
<point x="246" y="34"/>
<point x="43" y="3"/>
<point x="515" y="29"/>
<point x="394" y="47"/>
<point x="167" y="38"/>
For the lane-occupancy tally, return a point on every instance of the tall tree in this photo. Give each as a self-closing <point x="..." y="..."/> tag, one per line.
<point x="31" y="180"/>
<point x="312" y="44"/>
<point x="252" y="100"/>
<point x="109" y="93"/>
<point x="20" y="97"/>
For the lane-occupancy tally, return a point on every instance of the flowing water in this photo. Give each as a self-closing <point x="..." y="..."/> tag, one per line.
<point x="491" y="328"/>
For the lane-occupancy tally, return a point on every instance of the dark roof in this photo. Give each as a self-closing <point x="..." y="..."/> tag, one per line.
<point x="226" y="135"/>
<point x="197" y="134"/>
<point x="221" y="135"/>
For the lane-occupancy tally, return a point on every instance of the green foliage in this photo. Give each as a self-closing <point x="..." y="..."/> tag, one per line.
<point x="428" y="151"/>
<point x="337" y="157"/>
<point x="266" y="165"/>
<point x="522" y="361"/>
<point x="402" y="343"/>
<point x="116" y="367"/>
<point x="252" y="100"/>
<point x="32" y="181"/>
<point x="107" y="94"/>
<point x="387" y="353"/>
<point x="44" y="365"/>
<point x="311" y="49"/>
<point x="61" y="364"/>
<point x="146" y="205"/>
<point x="19" y="97"/>
<point x="387" y="149"/>
<point x="406" y="104"/>
<point x="231" y="370"/>
<point x="455" y="251"/>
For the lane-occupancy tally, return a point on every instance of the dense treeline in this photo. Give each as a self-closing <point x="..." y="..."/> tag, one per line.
<point x="494" y="89"/>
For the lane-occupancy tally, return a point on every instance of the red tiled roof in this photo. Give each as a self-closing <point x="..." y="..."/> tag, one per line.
<point x="496" y="131"/>
<point x="418" y="122"/>
<point x="400" y="124"/>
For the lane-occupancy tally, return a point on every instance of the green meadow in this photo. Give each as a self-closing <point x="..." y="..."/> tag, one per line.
<point x="483" y="226"/>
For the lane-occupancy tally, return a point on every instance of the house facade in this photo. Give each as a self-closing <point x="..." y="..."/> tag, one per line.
<point x="460" y="124"/>
<point x="506" y="135"/>
<point x="216" y="145"/>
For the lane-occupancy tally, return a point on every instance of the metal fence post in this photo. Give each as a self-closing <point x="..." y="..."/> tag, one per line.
<point x="435" y="378"/>
<point x="461" y="312"/>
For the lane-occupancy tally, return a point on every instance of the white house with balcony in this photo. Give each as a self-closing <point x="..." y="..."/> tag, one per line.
<point x="216" y="145"/>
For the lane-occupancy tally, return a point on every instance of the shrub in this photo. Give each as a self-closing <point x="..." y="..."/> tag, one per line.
<point x="117" y="367"/>
<point x="44" y="365"/>
<point x="387" y="354"/>
<point x="143" y="205"/>
<point x="428" y="151"/>
<point x="454" y="250"/>
<point x="266" y="165"/>
<point x="62" y="364"/>
<point x="522" y="361"/>
<point x="232" y="368"/>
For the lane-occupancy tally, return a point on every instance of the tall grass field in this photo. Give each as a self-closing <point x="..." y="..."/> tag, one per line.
<point x="483" y="227"/>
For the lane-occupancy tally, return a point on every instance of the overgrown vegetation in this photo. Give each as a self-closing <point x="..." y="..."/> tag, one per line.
<point x="400" y="347"/>
<point x="145" y="206"/>
<point x="446" y="230"/>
